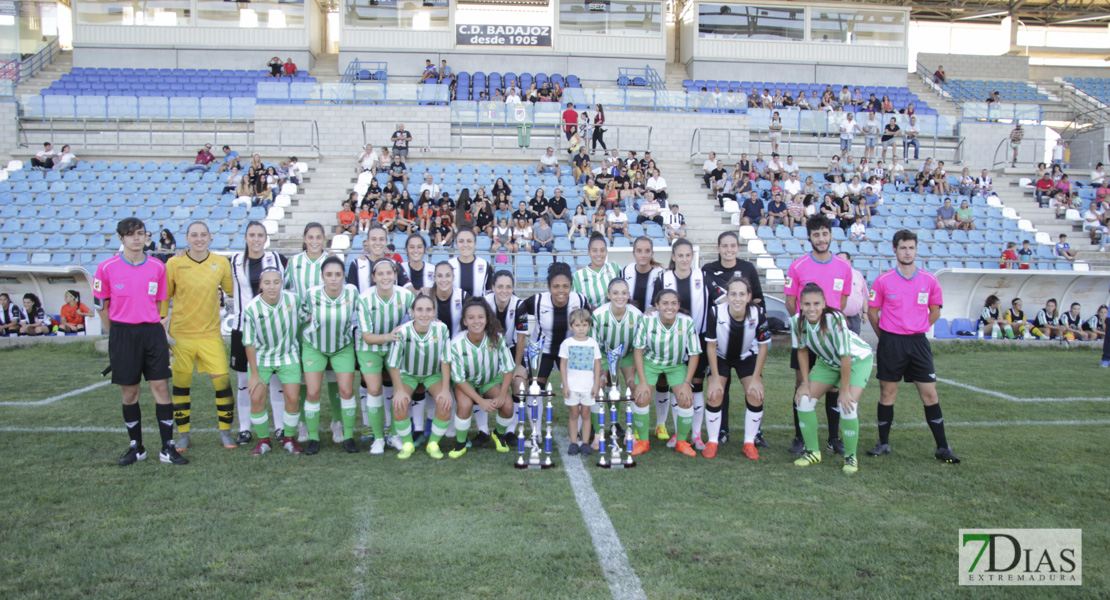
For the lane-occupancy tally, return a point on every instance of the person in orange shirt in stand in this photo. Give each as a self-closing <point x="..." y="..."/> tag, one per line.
<point x="347" y="220"/>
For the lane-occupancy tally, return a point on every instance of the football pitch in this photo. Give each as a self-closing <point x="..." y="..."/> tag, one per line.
<point x="1032" y="431"/>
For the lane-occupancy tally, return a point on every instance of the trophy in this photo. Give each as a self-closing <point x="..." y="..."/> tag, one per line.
<point x="528" y="410"/>
<point x="613" y="458"/>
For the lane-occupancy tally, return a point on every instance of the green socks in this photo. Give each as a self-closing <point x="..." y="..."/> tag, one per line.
<point x="462" y="428"/>
<point x="290" y="423"/>
<point x="377" y="416"/>
<point x="685" y="422"/>
<point x="334" y="401"/>
<point x="503" y="424"/>
<point x="594" y="411"/>
<point x="404" y="429"/>
<point x="312" y="420"/>
<point x="261" y="422"/>
<point x="850" y="435"/>
<point x="348" y="405"/>
<point x="807" y="421"/>
<point x="438" y="429"/>
<point x="641" y="420"/>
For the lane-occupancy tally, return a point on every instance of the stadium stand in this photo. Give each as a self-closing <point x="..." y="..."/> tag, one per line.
<point x="974" y="90"/>
<point x="170" y="83"/>
<point x="1099" y="89"/>
<point x="900" y="97"/>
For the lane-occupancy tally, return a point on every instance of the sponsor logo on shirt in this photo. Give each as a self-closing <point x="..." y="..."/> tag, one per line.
<point x="97" y="286"/>
<point x="923" y="297"/>
<point x="838" y="285"/>
<point x="871" y="295"/>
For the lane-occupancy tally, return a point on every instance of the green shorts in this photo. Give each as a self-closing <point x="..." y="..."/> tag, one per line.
<point x="314" y="361"/>
<point x="286" y="373"/>
<point x="487" y="386"/>
<point x="370" y="361"/>
<point x="861" y="373"/>
<point x="626" y="361"/>
<point x="414" y="382"/>
<point x="676" y="374"/>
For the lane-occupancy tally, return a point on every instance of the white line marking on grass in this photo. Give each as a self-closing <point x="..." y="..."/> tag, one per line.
<point x="53" y="399"/>
<point x="623" y="581"/>
<point x="1015" y="398"/>
<point x="362" y="548"/>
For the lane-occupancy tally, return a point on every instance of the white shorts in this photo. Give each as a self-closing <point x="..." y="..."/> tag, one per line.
<point x="579" y="398"/>
<point x="776" y="135"/>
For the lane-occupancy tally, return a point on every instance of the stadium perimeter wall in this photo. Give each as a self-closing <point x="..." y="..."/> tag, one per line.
<point x="980" y="144"/>
<point x="342" y="129"/>
<point x="970" y="66"/>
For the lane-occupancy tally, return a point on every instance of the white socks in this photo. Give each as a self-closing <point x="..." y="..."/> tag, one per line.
<point x="752" y="421"/>
<point x="481" y="417"/>
<point x="699" y="414"/>
<point x="662" y="407"/>
<point x="243" y="403"/>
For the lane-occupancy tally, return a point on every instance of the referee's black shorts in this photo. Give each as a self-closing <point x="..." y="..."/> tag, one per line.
<point x="907" y="358"/>
<point x="794" y="359"/>
<point x="239" y="362"/>
<point x="138" y="351"/>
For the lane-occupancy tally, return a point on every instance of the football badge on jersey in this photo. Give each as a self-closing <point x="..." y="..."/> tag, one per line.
<point x="838" y="285"/>
<point x="97" y="285"/>
<point x="789" y="282"/>
<point x="871" y="294"/>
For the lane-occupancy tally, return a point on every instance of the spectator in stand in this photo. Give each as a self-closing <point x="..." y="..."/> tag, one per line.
<point x="570" y="120"/>
<point x="795" y="211"/>
<point x="1062" y="249"/>
<point x="398" y="171"/>
<point x="674" y="224"/>
<point x="909" y="138"/>
<point x="367" y="160"/>
<point x="964" y="219"/>
<point x="946" y="216"/>
<point x="231" y="160"/>
<point x="522" y="232"/>
<point x="871" y="126"/>
<point x="848" y="130"/>
<point x="44" y="159"/>
<point x="32" y="318"/>
<point x="890" y="131"/>
<point x="650" y="210"/>
<point x="365" y="217"/>
<point x="429" y="186"/>
<point x="66" y="159"/>
<point x="839" y="189"/>
<point x="802" y="102"/>
<point x="1063" y="184"/>
<point x="1009" y="257"/>
<point x="939" y="77"/>
<point x="430" y="71"/>
<point x="549" y="163"/>
<point x="792" y="187"/>
<point x="446" y="75"/>
<point x="773" y="170"/>
<point x="203" y="159"/>
<point x="616" y="222"/>
<point x="598" y="136"/>
<point x="657" y="185"/>
<point x="579" y="223"/>
<point x="543" y="238"/>
<point x="167" y="245"/>
<point x="591" y="194"/>
<point x="777" y="212"/>
<point x="966" y="186"/>
<point x="751" y="212"/>
<point x="401" y="140"/>
<point x="1025" y="256"/>
<point x="275" y="65"/>
<point x="1098" y="175"/>
<point x="1044" y="189"/>
<point x="775" y="131"/>
<point x="940" y="177"/>
<point x="289" y="68"/>
<point x="1058" y="153"/>
<point x="73" y="313"/>
<point x="442" y="231"/>
<point x="347" y="220"/>
<point x="1093" y="224"/>
<point x="557" y="209"/>
<point x="834" y="169"/>
<point x="1016" y="136"/>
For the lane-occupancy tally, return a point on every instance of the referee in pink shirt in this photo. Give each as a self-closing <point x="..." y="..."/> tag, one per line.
<point x="905" y="302"/>
<point x="834" y="275"/>
<point x="128" y="289"/>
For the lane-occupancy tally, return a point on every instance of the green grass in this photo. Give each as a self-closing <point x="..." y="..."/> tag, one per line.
<point x="338" y="525"/>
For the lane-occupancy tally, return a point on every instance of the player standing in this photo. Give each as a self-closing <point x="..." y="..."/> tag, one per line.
<point x="418" y="357"/>
<point x="905" y="302"/>
<point x="593" y="281"/>
<point x="834" y="275"/>
<point x="127" y="289"/>
<point x="302" y="274"/>
<point x="271" y="339"/>
<point x="641" y="276"/>
<point x="717" y="276"/>
<point x="246" y="273"/>
<point x="472" y="274"/>
<point x="193" y="282"/>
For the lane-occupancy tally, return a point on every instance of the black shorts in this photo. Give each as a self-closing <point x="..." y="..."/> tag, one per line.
<point x="905" y="357"/>
<point x="548" y="362"/>
<point x="138" y="351"/>
<point x="743" y="368"/>
<point x="703" y="360"/>
<point x="239" y="362"/>
<point x="794" y="359"/>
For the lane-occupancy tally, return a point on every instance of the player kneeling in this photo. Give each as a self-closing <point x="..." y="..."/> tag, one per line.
<point x="843" y="360"/>
<point x="270" y="326"/>
<point x="482" y="367"/>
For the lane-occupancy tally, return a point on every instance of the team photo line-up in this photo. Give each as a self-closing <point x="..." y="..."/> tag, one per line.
<point x="437" y="347"/>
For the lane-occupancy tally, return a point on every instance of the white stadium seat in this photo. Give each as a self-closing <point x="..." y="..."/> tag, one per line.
<point x="341" y="242"/>
<point x="731" y="207"/>
<point x="775" y="275"/>
<point x="289" y="189"/>
<point x="282" y="200"/>
<point x="1025" y="225"/>
<point x="3" y="175"/>
<point x="365" y="177"/>
<point x="1072" y="215"/>
<point x="1009" y="213"/>
<point x="755" y="246"/>
<point x="276" y="213"/>
<point x="15" y="165"/>
<point x="765" y="262"/>
<point x="1042" y="238"/>
<point x="271" y="226"/>
<point x="747" y="232"/>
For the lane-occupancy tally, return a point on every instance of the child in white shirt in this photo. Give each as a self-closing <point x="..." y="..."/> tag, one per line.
<point x="580" y="369"/>
<point x="859" y="231"/>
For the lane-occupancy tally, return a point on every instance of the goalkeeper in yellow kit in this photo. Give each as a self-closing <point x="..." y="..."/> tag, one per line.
<point x="193" y="282"/>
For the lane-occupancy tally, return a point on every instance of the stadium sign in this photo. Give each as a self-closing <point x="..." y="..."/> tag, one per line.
<point x="1021" y="557"/>
<point x="536" y="36"/>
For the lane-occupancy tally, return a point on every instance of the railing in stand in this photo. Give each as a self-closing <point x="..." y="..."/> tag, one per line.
<point x="20" y="70"/>
<point x="376" y="71"/>
<point x="651" y="80"/>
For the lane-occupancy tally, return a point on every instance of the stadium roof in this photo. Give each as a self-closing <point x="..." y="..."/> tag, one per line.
<point x="1071" y="13"/>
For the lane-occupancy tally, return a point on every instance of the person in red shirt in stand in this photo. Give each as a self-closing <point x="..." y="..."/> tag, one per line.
<point x="1009" y="257"/>
<point x="1044" y="189"/>
<point x="570" y="120"/>
<point x="289" y="67"/>
<point x="347" y="220"/>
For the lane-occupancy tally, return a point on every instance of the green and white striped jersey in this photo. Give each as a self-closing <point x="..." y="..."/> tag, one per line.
<point x="330" y="321"/>
<point x="272" y="330"/>
<point x="611" y="332"/>
<point x="595" y="284"/>
<point x="837" y="341"/>
<point x="479" y="364"/>
<point x="379" y="316"/>
<point x="302" y="273"/>
<point x="420" y="355"/>
<point x="667" y="346"/>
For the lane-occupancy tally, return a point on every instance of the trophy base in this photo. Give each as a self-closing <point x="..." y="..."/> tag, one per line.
<point x="616" y="465"/>
<point x="530" y="466"/>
